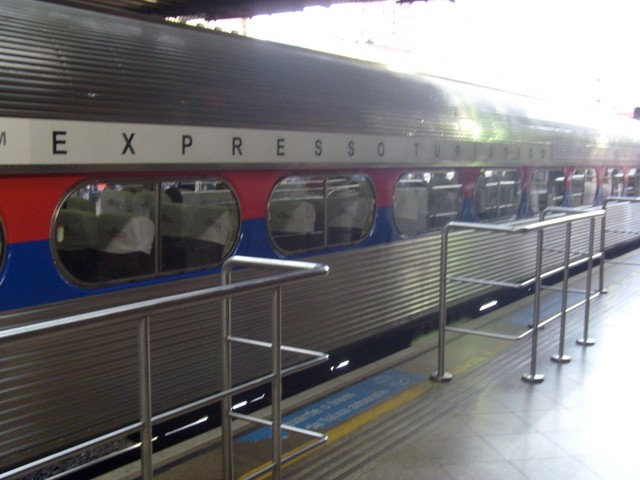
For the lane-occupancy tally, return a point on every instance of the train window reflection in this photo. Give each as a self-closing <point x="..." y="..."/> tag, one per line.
<point x="583" y="187"/>
<point x="314" y="212"/>
<point x="426" y="200"/>
<point x="198" y="223"/>
<point x="498" y="194"/>
<point x="113" y="231"/>
<point x="633" y="183"/>
<point x="547" y="189"/>
<point x="612" y="183"/>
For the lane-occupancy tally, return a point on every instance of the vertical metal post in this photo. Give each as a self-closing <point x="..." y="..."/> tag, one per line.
<point x="144" y="365"/>
<point x="532" y="377"/>
<point x="440" y="375"/>
<point x="602" y="249"/>
<point x="561" y="357"/>
<point x="225" y="404"/>
<point x="585" y="340"/>
<point x="276" y="384"/>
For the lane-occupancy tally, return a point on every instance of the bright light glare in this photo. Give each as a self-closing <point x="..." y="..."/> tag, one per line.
<point x="488" y="305"/>
<point x="575" y="50"/>
<point x="239" y="405"/>
<point x="139" y="444"/>
<point x="340" y="365"/>
<point x="187" y="426"/>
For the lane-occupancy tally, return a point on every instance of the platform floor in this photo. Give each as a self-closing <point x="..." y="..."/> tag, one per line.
<point x="582" y="422"/>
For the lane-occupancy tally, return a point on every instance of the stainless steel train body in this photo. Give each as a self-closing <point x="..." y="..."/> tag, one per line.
<point x="136" y="156"/>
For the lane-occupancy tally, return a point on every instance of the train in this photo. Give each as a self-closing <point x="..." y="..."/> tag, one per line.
<point x="136" y="156"/>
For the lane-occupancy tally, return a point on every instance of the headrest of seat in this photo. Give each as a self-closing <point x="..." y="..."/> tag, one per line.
<point x="76" y="203"/>
<point x="125" y="233"/>
<point x="115" y="201"/>
<point x="174" y="219"/>
<point x="76" y="229"/>
<point x="211" y="224"/>
<point x="144" y="204"/>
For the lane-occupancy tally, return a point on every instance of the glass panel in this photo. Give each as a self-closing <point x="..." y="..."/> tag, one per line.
<point x="199" y="223"/>
<point x="314" y="212"/>
<point x="102" y="232"/>
<point x="617" y="182"/>
<point x="498" y="194"/>
<point x="583" y="186"/>
<point x="612" y="183"/>
<point x="556" y="188"/>
<point x="350" y="209"/>
<point x="540" y="190"/>
<point x="426" y="200"/>
<point x="108" y="231"/>
<point x="633" y="183"/>
<point x="296" y="213"/>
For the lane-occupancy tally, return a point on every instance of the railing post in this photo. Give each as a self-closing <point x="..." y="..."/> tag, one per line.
<point x="532" y="376"/>
<point x="602" y="248"/>
<point x="276" y="384"/>
<point x="226" y="402"/>
<point x="144" y="365"/>
<point x="441" y="375"/>
<point x="276" y="374"/>
<point x="603" y="233"/>
<point x="585" y="340"/>
<point x="560" y="357"/>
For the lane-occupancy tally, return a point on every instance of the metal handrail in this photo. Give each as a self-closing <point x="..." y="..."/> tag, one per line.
<point x="618" y="200"/>
<point x="561" y="357"/>
<point x="294" y="271"/>
<point x="275" y="378"/>
<point x="571" y="215"/>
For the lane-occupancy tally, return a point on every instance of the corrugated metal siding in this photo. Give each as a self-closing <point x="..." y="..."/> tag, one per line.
<point x="60" y="389"/>
<point x="71" y="64"/>
<point x="622" y="223"/>
<point x="83" y="65"/>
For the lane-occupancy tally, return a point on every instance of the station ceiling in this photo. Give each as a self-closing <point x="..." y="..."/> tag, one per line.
<point x="210" y="9"/>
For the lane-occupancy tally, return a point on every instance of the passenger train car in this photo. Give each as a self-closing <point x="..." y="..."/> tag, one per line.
<point x="136" y="156"/>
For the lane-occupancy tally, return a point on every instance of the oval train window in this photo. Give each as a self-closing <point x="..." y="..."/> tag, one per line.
<point x="424" y="201"/>
<point x="312" y="212"/>
<point x="119" y="230"/>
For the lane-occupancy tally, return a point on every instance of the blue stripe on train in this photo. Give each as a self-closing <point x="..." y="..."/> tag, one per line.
<point x="30" y="278"/>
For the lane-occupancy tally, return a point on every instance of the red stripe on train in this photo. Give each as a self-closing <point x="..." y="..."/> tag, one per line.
<point x="27" y="203"/>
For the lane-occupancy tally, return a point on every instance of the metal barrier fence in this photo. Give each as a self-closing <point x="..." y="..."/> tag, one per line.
<point x="570" y="216"/>
<point x="275" y="378"/>
<point x="292" y="271"/>
<point x="615" y="201"/>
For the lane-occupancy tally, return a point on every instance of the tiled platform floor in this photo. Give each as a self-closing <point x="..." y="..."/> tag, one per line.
<point x="582" y="422"/>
